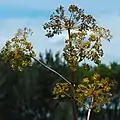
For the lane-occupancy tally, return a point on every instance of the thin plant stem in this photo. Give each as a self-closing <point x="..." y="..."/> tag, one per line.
<point x="89" y="110"/>
<point x="88" y="115"/>
<point x="75" y="110"/>
<point x="52" y="70"/>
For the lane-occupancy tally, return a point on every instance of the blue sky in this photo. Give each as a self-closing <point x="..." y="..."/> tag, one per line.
<point x="16" y="14"/>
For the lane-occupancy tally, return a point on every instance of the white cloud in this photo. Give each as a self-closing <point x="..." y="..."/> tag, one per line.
<point x="40" y="42"/>
<point x="111" y="50"/>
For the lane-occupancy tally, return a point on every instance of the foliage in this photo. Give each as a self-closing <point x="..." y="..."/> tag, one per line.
<point x="35" y="87"/>
<point x="29" y="93"/>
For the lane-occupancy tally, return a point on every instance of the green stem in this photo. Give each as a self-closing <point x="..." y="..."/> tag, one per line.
<point x="72" y="73"/>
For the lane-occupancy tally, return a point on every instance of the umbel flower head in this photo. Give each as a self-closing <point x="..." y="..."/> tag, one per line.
<point x="96" y="90"/>
<point x="84" y="35"/>
<point x="75" y="19"/>
<point x="17" y="51"/>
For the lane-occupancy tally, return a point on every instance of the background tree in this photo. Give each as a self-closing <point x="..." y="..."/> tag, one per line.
<point x="42" y="98"/>
<point x="27" y="94"/>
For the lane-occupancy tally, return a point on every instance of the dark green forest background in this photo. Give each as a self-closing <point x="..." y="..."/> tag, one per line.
<point x="28" y="95"/>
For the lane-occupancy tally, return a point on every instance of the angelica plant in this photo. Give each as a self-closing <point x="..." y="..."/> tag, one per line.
<point x="83" y="42"/>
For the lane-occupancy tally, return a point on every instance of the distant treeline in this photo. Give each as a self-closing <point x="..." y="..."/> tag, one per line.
<point x="28" y="95"/>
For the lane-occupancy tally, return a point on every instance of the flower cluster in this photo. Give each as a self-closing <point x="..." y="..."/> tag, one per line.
<point x="96" y="90"/>
<point x="17" y="52"/>
<point x="84" y="35"/>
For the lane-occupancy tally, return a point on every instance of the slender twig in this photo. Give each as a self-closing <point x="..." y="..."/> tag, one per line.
<point x="52" y="70"/>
